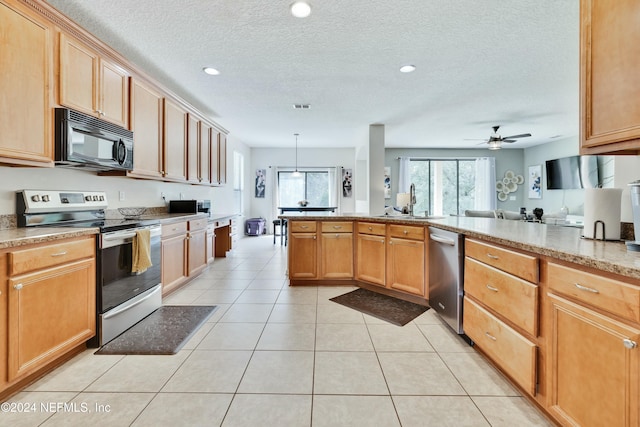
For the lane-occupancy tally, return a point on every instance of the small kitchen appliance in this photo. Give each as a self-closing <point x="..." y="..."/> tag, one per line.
<point x="123" y="297"/>
<point x="635" y="206"/>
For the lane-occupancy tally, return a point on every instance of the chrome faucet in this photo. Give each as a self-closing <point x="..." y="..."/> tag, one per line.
<point x="412" y="198"/>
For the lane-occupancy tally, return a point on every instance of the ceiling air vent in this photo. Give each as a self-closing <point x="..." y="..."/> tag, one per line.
<point x="301" y="106"/>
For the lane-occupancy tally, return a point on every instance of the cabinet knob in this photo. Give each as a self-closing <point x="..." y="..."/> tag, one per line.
<point x="17" y="287"/>
<point x="491" y="337"/>
<point x="370" y="228"/>
<point x="629" y="344"/>
<point x="405" y="232"/>
<point x="314" y="237"/>
<point x="381" y="241"/>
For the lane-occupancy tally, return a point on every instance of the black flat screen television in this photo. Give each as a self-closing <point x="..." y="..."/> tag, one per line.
<point x="572" y="173"/>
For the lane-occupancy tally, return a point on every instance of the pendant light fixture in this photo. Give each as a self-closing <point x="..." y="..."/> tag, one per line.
<point x="296" y="172"/>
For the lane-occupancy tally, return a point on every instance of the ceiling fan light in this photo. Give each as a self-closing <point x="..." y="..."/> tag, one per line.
<point x="494" y="145"/>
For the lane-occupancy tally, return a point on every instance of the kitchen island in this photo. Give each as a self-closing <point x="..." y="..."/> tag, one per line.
<point x="557" y="314"/>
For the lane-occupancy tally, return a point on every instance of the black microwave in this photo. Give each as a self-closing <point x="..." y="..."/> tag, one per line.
<point x="83" y="141"/>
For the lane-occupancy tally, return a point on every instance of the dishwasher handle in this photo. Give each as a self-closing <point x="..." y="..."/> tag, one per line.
<point x="441" y="239"/>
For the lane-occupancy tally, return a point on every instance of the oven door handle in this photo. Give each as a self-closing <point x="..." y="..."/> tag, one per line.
<point x="155" y="232"/>
<point x="113" y="313"/>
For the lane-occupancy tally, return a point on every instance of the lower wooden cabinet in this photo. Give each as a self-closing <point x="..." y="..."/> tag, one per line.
<point x="594" y="367"/>
<point x="303" y="255"/>
<point x="370" y="266"/>
<point x="174" y="255"/>
<point x="197" y="246"/>
<point x="406" y="259"/>
<point x="337" y="256"/>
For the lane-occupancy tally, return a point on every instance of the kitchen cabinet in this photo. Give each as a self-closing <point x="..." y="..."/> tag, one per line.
<point x="303" y="250"/>
<point x="92" y="84"/>
<point x="193" y="149"/>
<point x="336" y="249"/>
<point x="54" y="285"/>
<point x="146" y="124"/>
<point x="406" y="259"/>
<point x="594" y="333"/>
<point x="174" y="256"/>
<point x="204" y="155"/>
<point x="174" y="141"/>
<point x="609" y="78"/>
<point x="222" y="158"/>
<point x="371" y="253"/>
<point x="26" y="56"/>
<point x="197" y="246"/>
<point x="211" y="242"/>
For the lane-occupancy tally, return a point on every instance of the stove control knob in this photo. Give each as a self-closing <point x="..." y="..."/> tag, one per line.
<point x="102" y="198"/>
<point x="35" y="198"/>
<point x="95" y="198"/>
<point x="64" y="200"/>
<point x="45" y="198"/>
<point x="87" y="198"/>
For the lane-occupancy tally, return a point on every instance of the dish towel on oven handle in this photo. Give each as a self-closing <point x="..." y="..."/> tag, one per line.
<point x="141" y="251"/>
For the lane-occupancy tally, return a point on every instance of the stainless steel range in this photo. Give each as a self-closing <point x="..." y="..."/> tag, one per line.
<point x="123" y="298"/>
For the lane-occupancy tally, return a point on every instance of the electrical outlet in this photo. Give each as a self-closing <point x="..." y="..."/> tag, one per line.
<point x="121" y="196"/>
<point x="162" y="194"/>
<point x="512" y="197"/>
<point x="181" y="196"/>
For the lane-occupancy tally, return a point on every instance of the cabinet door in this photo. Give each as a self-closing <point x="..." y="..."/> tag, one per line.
<point x="175" y="132"/>
<point x="594" y="367"/>
<point x="406" y="265"/>
<point x="337" y="256"/>
<point x="204" y="155"/>
<point x="25" y="125"/>
<point x="79" y="68"/>
<point x="50" y="312"/>
<point x="371" y="259"/>
<point x="214" y="165"/>
<point x="193" y="145"/>
<point x="197" y="251"/>
<point x="114" y="94"/>
<point x="146" y="123"/>
<point x="609" y="78"/>
<point x="211" y="243"/>
<point x="174" y="253"/>
<point x="222" y="158"/>
<point x="304" y="265"/>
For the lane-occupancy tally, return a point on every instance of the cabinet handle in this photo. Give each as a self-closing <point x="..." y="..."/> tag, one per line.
<point x="405" y="232"/>
<point x="381" y="241"/>
<point x="584" y="288"/>
<point x="493" y="256"/>
<point x="629" y="344"/>
<point x="314" y="237"/>
<point x="370" y="228"/>
<point x="17" y="287"/>
<point x="337" y="227"/>
<point x="59" y="253"/>
<point x="337" y="236"/>
<point x="491" y="336"/>
<point x="304" y="226"/>
<point x="491" y="288"/>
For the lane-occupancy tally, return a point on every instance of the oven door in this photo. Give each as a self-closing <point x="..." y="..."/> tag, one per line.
<point x="116" y="282"/>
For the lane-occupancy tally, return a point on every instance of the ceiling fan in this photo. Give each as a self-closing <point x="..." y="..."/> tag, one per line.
<point x="495" y="140"/>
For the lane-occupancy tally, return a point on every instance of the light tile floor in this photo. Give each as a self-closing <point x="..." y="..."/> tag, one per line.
<point x="273" y="355"/>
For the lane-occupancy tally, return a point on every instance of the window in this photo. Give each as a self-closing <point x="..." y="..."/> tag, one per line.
<point x="443" y="187"/>
<point x="317" y="187"/>
<point x="238" y="182"/>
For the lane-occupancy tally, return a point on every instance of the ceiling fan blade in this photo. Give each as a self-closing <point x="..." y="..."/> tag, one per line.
<point x="522" y="135"/>
<point x="475" y="139"/>
<point x="483" y="142"/>
<point x="508" y="140"/>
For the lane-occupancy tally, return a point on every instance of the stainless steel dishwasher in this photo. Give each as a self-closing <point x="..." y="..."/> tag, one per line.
<point x="446" y="260"/>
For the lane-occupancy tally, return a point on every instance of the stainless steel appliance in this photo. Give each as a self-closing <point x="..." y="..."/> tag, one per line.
<point x="635" y="207"/>
<point x="83" y="141"/>
<point x="122" y="298"/>
<point x="190" y="206"/>
<point x="446" y="261"/>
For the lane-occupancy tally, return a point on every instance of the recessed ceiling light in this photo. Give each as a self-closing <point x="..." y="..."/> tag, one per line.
<point x="407" y="68"/>
<point x="300" y="9"/>
<point x="211" y="71"/>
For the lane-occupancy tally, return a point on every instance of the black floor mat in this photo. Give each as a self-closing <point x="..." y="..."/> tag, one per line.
<point x="164" y="331"/>
<point x="392" y="310"/>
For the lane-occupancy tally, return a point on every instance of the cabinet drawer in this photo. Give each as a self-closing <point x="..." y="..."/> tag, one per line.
<point x="174" y="229"/>
<point x="198" y="224"/>
<point x="406" y="231"/>
<point x="337" y="226"/>
<point x="45" y="256"/>
<point x="513" y="298"/>
<point x="513" y="353"/>
<point x="615" y="296"/>
<point x="302" y="226"/>
<point x="521" y="265"/>
<point x="371" y="228"/>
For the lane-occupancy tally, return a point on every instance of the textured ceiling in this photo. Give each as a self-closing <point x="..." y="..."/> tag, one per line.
<point x="479" y="63"/>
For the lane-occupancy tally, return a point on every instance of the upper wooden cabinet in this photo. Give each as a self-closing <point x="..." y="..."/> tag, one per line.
<point x="26" y="55"/>
<point x="222" y="158"/>
<point x="204" y="154"/>
<point x="91" y="84"/>
<point x="609" y="78"/>
<point x="146" y="124"/>
<point x="193" y="149"/>
<point x="174" y="141"/>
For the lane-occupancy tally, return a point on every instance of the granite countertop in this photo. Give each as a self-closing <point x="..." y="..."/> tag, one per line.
<point x="563" y="243"/>
<point x="15" y="237"/>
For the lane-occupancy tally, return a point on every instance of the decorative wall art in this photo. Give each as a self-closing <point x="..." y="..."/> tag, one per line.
<point x="387" y="182"/>
<point x="347" y="182"/>
<point x="508" y="184"/>
<point x="535" y="182"/>
<point x="261" y="175"/>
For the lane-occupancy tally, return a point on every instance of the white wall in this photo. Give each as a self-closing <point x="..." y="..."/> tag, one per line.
<point x="271" y="158"/>
<point x="138" y="192"/>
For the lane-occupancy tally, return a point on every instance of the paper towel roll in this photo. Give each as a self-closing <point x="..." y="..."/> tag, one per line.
<point x="602" y="204"/>
<point x="402" y="200"/>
